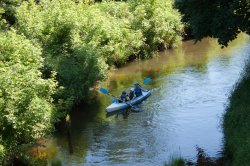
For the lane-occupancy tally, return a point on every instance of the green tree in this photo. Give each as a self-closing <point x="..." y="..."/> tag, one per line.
<point x="159" y="22"/>
<point x="61" y="29"/>
<point x="26" y="109"/>
<point x="222" y="19"/>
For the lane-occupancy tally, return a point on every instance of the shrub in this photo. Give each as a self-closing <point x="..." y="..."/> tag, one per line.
<point x="158" y="21"/>
<point x="26" y="109"/>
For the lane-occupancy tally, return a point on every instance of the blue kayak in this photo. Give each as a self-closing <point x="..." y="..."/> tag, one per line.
<point x="120" y="106"/>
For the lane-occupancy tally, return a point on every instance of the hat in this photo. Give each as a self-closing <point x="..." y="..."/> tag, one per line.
<point x="136" y="83"/>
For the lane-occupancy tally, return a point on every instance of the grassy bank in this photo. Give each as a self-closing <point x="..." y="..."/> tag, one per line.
<point x="237" y="124"/>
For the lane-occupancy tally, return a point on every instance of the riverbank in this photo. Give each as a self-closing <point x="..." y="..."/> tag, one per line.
<point x="237" y="123"/>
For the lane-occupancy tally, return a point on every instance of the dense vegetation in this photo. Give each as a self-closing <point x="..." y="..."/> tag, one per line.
<point x="52" y="52"/>
<point x="222" y="19"/>
<point x="237" y="124"/>
<point x="26" y="109"/>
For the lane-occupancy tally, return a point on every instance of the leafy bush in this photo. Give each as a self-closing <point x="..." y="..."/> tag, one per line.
<point x="26" y="109"/>
<point x="2" y="153"/>
<point x="60" y="25"/>
<point x="59" y="28"/>
<point x="7" y="10"/>
<point x="115" y="30"/>
<point x="158" y="21"/>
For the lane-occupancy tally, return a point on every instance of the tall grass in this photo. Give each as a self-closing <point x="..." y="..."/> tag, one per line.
<point x="176" y="162"/>
<point x="237" y="123"/>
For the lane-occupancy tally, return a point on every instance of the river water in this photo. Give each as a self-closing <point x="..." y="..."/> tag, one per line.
<point x="193" y="84"/>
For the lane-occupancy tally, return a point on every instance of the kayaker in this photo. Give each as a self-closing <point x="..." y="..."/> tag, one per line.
<point x="131" y="93"/>
<point x="123" y="96"/>
<point x="137" y="89"/>
<point x="127" y="98"/>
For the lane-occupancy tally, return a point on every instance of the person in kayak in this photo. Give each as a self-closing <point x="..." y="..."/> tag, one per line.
<point x="137" y="89"/>
<point x="131" y="94"/>
<point x="123" y="97"/>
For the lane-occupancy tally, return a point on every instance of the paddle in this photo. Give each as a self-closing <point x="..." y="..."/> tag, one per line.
<point x="147" y="80"/>
<point x="105" y="91"/>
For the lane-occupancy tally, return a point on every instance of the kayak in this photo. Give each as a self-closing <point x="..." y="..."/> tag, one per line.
<point x="120" y="106"/>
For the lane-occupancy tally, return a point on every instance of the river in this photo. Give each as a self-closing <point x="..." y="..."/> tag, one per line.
<point x="194" y="82"/>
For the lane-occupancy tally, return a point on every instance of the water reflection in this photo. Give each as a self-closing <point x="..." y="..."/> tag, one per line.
<point x="194" y="82"/>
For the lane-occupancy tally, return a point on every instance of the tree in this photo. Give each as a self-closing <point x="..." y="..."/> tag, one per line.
<point x="222" y="19"/>
<point x="26" y="109"/>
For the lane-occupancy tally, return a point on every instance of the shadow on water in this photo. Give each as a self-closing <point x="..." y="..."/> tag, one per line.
<point x="80" y="119"/>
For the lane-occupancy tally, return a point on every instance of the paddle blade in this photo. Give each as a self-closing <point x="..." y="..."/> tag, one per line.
<point x="147" y="80"/>
<point x="103" y="90"/>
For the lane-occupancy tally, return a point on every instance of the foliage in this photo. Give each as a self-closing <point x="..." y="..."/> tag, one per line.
<point x="2" y="153"/>
<point x="26" y="110"/>
<point x="7" y="10"/>
<point x="58" y="29"/>
<point x="2" y="21"/>
<point x="158" y="21"/>
<point x="222" y="19"/>
<point x="176" y="162"/>
<point x="56" y="162"/>
<point x="237" y="123"/>
<point x="120" y="29"/>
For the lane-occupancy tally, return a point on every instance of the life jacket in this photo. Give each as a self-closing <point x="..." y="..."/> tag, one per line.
<point x="131" y="95"/>
<point x="138" y="92"/>
<point x="123" y="97"/>
<point x="127" y="98"/>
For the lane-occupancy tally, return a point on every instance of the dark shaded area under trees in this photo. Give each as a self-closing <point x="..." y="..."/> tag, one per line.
<point x="222" y="19"/>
